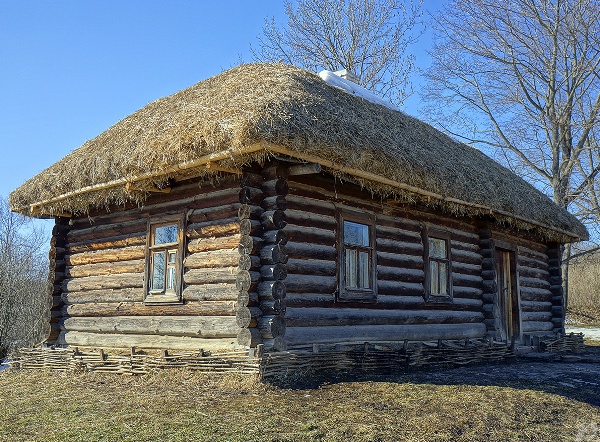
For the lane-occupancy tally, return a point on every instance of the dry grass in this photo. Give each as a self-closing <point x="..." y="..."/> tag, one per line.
<point x="293" y="108"/>
<point x="584" y="291"/>
<point x="54" y="406"/>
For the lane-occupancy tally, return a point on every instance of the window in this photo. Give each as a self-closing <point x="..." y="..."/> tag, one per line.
<point x="357" y="282"/>
<point x="163" y="262"/>
<point x="438" y="271"/>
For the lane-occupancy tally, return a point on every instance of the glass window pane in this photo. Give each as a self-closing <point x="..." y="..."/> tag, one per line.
<point x="165" y="234"/>
<point x="172" y="257"/>
<point x="356" y="234"/>
<point x="433" y="278"/>
<point x="158" y="271"/>
<point x="437" y="248"/>
<point x="171" y="278"/>
<point x="443" y="271"/>
<point x="351" y="266"/>
<point x="363" y="270"/>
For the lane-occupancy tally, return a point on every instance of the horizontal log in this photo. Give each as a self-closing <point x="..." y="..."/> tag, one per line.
<point x="536" y="316"/>
<point x="105" y="268"/>
<point x="300" y="250"/>
<point x="310" y="284"/>
<point x="209" y="229"/>
<point x="307" y="219"/>
<point x="467" y="292"/>
<point x="464" y="280"/>
<point x="398" y="234"/>
<point x="249" y="337"/>
<point x="85" y="339"/>
<point x="400" y="274"/>
<point x="210" y="244"/>
<point x="532" y="272"/>
<point x="211" y="292"/>
<point x="400" y="288"/>
<point x="533" y="326"/>
<point x="467" y="269"/>
<point x="382" y="302"/>
<point x="249" y="299"/>
<point x="536" y="306"/>
<point x="197" y="326"/>
<point x="558" y="311"/>
<point x="399" y="260"/>
<point x="310" y="234"/>
<point x="212" y="259"/>
<point x="204" y="308"/>
<point x="107" y="230"/>
<point x="106" y="255"/>
<point x="533" y="283"/>
<point x="211" y="276"/>
<point x="532" y="262"/>
<point x="129" y="240"/>
<point x="311" y="267"/>
<point x="317" y="317"/>
<point x="466" y="256"/>
<point x="228" y="209"/>
<point x="122" y="280"/>
<point x="374" y="333"/>
<point x="398" y="247"/>
<point x="107" y="295"/>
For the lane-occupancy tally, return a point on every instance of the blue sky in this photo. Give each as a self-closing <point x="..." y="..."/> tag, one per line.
<point x="71" y="69"/>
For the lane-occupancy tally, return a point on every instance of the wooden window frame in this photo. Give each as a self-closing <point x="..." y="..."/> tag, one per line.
<point x="153" y="223"/>
<point x="356" y="294"/>
<point x="426" y="233"/>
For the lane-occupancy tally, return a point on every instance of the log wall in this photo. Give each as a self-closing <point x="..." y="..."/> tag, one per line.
<point x="315" y="315"/>
<point x="535" y="284"/>
<point x="102" y="294"/>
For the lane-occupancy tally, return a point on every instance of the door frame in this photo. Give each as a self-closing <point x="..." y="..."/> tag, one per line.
<point x="509" y="330"/>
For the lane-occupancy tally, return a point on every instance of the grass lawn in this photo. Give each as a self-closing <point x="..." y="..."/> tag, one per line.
<point x="181" y="405"/>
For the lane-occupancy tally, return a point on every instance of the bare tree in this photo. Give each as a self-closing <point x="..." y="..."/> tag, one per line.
<point x="520" y="79"/>
<point x="371" y="38"/>
<point x="24" y="297"/>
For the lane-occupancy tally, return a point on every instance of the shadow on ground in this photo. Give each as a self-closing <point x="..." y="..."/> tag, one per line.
<point x="566" y="377"/>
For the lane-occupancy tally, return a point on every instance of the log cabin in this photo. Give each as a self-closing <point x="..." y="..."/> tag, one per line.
<point x="266" y="206"/>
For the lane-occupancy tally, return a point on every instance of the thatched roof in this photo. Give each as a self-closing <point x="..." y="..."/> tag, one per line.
<point x="247" y="112"/>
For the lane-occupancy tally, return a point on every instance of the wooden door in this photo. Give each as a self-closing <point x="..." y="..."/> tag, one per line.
<point x="507" y="303"/>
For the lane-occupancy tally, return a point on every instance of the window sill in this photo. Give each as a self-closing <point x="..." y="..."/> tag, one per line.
<point x="162" y="299"/>
<point x="440" y="299"/>
<point x="357" y="296"/>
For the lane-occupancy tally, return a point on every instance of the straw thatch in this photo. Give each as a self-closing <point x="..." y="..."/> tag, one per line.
<point x="279" y="105"/>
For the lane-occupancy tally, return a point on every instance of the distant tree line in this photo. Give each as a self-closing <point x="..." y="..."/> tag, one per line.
<point x="24" y="300"/>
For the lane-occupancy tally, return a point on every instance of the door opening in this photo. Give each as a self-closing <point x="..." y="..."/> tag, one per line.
<point x="507" y="303"/>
